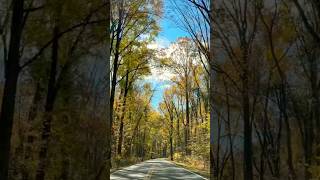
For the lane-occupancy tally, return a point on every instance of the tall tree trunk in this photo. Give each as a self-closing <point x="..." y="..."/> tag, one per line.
<point x="308" y="146"/>
<point x="312" y="30"/>
<point x="107" y="99"/>
<point x="233" y="167"/>
<point x="65" y="164"/>
<point x="248" y="174"/>
<point x="30" y="137"/>
<point x="187" y="128"/>
<point x="49" y="105"/>
<point x="178" y="132"/>
<point x="123" y="114"/>
<point x="211" y="92"/>
<point x="114" y="77"/>
<point x="171" y="134"/>
<point x="283" y="109"/>
<point x="170" y="108"/>
<point x="283" y="103"/>
<point x="143" y="143"/>
<point x="116" y="60"/>
<point x="315" y="102"/>
<point x="310" y="136"/>
<point x="10" y="87"/>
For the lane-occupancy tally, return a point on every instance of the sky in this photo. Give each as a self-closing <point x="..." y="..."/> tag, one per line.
<point x="169" y="33"/>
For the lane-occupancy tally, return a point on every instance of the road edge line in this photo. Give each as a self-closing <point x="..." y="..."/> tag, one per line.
<point x="188" y="170"/>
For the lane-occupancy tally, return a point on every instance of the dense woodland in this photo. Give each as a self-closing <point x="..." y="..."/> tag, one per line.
<point x="264" y="88"/>
<point x="76" y="101"/>
<point x="53" y="81"/>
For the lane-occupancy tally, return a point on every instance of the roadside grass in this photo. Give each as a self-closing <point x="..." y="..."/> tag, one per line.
<point x="193" y="164"/>
<point x="119" y="162"/>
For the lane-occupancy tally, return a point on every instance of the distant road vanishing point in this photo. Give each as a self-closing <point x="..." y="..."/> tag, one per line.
<point x="156" y="169"/>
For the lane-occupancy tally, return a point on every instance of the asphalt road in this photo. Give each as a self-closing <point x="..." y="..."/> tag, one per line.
<point x="156" y="169"/>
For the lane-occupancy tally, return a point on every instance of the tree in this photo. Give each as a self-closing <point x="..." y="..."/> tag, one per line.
<point x="183" y="56"/>
<point x="131" y="22"/>
<point x="108" y="110"/>
<point x="12" y="69"/>
<point x="168" y="105"/>
<point x="135" y="65"/>
<point x="14" y="66"/>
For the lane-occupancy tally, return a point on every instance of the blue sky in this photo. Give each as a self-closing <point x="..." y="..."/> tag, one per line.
<point x="170" y="32"/>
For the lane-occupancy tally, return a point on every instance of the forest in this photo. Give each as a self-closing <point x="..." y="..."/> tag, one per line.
<point x="189" y="89"/>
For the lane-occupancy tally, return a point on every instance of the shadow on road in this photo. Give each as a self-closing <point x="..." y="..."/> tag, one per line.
<point x="157" y="169"/>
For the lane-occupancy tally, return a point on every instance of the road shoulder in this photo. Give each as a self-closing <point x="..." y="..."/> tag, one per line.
<point x="192" y="170"/>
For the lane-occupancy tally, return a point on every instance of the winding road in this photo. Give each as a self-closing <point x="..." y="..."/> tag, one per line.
<point x="155" y="169"/>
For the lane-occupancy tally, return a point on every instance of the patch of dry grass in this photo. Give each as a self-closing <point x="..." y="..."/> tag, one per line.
<point x="193" y="164"/>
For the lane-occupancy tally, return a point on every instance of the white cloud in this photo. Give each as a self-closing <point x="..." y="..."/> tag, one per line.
<point x="163" y="76"/>
<point x="160" y="75"/>
<point x="159" y="43"/>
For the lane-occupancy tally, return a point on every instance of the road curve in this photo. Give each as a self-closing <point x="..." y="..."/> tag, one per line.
<point x="155" y="169"/>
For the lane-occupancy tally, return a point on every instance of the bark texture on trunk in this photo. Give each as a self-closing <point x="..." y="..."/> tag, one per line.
<point x="248" y="174"/>
<point x="49" y="105"/>
<point x="108" y="109"/>
<point x="12" y="70"/>
<point x="211" y="93"/>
